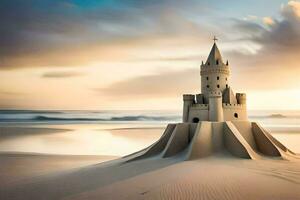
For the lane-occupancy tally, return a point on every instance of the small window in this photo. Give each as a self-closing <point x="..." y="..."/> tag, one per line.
<point x="195" y="120"/>
<point x="208" y="63"/>
<point x="207" y="86"/>
<point x="217" y="61"/>
<point x="236" y="115"/>
<point x="226" y="86"/>
<point x="218" y="78"/>
<point x="207" y="78"/>
<point x="218" y="86"/>
<point x="226" y="78"/>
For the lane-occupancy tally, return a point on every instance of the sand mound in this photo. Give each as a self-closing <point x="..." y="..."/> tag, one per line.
<point x="242" y="139"/>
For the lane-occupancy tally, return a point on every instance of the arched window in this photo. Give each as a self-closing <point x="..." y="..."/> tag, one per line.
<point x="218" y="86"/>
<point x="207" y="86"/>
<point x="217" y="61"/>
<point x="208" y="63"/>
<point x="218" y="78"/>
<point x="236" y="115"/>
<point x="207" y="78"/>
<point x="195" y="120"/>
<point x="226" y="86"/>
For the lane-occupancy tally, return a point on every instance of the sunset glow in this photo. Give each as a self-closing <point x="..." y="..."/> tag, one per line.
<point x="136" y="55"/>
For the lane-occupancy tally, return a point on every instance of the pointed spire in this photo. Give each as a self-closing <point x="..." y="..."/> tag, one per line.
<point x="214" y="57"/>
<point x="215" y="39"/>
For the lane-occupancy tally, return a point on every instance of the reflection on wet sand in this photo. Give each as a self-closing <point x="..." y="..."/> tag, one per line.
<point x="87" y="139"/>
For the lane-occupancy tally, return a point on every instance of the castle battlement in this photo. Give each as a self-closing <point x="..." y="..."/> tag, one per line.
<point x="199" y="106"/>
<point x="188" y="97"/>
<point x="214" y="94"/>
<point x="228" y="105"/>
<point x="221" y="70"/>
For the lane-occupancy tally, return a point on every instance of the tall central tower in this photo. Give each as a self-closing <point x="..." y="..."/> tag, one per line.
<point x="214" y="74"/>
<point x="217" y="101"/>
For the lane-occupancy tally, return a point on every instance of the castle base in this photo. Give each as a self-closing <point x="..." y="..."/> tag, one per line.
<point x="190" y="141"/>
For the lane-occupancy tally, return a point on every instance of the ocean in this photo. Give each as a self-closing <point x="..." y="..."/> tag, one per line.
<point x="96" y="132"/>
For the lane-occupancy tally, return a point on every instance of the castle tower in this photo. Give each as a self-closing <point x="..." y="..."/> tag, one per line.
<point x="214" y="73"/>
<point x="217" y="101"/>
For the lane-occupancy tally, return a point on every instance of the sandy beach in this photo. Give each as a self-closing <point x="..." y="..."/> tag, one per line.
<point x="218" y="177"/>
<point x="18" y="167"/>
<point x="25" y="175"/>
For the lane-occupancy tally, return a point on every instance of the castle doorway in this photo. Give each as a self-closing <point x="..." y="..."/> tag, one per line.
<point x="196" y="120"/>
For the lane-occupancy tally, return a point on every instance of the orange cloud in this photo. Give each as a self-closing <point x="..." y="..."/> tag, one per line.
<point x="268" y="21"/>
<point x="295" y="5"/>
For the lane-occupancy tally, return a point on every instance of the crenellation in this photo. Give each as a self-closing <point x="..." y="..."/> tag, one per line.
<point x="200" y="106"/>
<point x="189" y="97"/>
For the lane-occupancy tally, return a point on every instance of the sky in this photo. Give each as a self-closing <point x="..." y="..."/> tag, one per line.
<point x="143" y="55"/>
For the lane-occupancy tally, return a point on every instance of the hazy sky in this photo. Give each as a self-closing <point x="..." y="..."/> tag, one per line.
<point x="135" y="54"/>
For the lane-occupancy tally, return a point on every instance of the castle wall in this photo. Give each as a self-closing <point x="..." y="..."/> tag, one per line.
<point x="233" y="112"/>
<point x="228" y="112"/>
<point x="198" y="112"/>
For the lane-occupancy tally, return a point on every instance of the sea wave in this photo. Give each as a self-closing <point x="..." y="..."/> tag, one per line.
<point x="121" y="118"/>
<point x="76" y="116"/>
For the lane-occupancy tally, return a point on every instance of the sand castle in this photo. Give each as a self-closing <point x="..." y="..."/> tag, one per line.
<point x="215" y="121"/>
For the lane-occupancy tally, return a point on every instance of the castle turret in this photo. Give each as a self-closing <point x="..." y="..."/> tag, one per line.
<point x="241" y="98"/>
<point x="188" y="100"/>
<point x="215" y="106"/>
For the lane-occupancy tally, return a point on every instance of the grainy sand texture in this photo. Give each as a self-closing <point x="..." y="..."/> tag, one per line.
<point x="216" y="177"/>
<point x="205" y="161"/>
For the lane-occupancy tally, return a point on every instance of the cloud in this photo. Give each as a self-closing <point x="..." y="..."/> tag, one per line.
<point x="160" y="85"/>
<point x="268" y="21"/>
<point x="250" y="18"/>
<point x="284" y="34"/>
<point x="272" y="66"/>
<point x="63" y="33"/>
<point x="295" y="6"/>
<point x="61" y="74"/>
